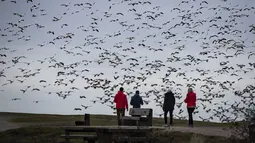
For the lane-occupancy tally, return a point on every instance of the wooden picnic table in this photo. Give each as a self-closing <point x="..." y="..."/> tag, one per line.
<point x="105" y="134"/>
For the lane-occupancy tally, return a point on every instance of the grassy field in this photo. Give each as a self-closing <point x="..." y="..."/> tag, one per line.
<point x="45" y="128"/>
<point x="95" y="119"/>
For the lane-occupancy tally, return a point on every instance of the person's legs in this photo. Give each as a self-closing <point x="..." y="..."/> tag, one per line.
<point x="190" y="116"/>
<point x="165" y="117"/>
<point x="171" y="117"/>
<point x="123" y="112"/>
<point x="118" y="115"/>
<point x="191" y="112"/>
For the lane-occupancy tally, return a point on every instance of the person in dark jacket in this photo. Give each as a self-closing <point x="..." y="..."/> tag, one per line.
<point x="136" y="100"/>
<point x="168" y="106"/>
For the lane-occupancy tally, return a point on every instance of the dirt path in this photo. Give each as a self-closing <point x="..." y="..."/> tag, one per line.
<point x="214" y="131"/>
<point x="5" y="125"/>
<point x="211" y="131"/>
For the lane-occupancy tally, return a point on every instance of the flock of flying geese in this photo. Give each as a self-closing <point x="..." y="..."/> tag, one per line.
<point x="221" y="41"/>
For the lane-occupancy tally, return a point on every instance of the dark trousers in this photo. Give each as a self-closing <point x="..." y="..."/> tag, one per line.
<point x="171" y="116"/>
<point x="120" y="112"/>
<point x="190" y="111"/>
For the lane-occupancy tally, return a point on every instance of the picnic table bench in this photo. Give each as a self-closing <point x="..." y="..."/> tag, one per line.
<point x="137" y="127"/>
<point x="107" y="134"/>
<point x="89" y="138"/>
<point x="139" y="117"/>
<point x="86" y="121"/>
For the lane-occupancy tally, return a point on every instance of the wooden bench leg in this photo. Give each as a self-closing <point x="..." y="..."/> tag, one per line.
<point x="67" y="140"/>
<point x="122" y="122"/>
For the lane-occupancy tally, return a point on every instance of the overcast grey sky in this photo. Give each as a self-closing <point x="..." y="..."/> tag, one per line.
<point x="117" y="26"/>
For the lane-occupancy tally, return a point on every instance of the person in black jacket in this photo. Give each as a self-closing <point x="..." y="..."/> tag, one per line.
<point x="168" y="106"/>
<point x="136" y="100"/>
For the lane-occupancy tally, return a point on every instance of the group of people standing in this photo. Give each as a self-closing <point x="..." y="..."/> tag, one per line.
<point x="169" y="103"/>
<point x="168" y="106"/>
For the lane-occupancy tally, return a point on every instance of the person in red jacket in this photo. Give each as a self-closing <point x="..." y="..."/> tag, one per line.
<point x="121" y="103"/>
<point x="191" y="104"/>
